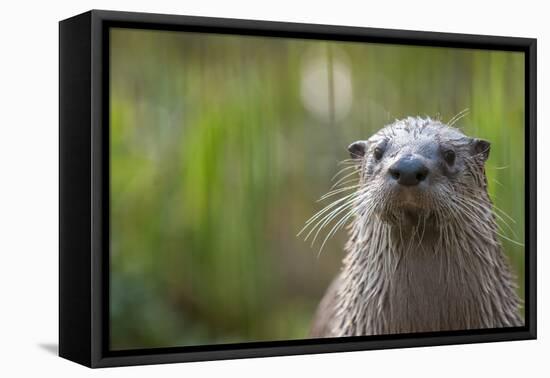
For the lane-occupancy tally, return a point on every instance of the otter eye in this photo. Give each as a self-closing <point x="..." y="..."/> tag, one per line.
<point x="449" y="156"/>
<point x="378" y="153"/>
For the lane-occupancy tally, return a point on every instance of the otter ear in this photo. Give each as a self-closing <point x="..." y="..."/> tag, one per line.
<point x="358" y="149"/>
<point x="482" y="148"/>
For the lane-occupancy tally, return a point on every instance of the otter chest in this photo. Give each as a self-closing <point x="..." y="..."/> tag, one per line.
<point x="423" y="290"/>
<point x="429" y="292"/>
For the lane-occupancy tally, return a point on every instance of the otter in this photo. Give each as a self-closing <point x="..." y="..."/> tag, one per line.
<point x="423" y="253"/>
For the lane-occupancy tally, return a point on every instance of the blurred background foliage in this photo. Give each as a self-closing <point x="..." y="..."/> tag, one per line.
<point x="221" y="145"/>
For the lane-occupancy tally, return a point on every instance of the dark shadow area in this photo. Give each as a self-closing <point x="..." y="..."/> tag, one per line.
<point x="50" y="348"/>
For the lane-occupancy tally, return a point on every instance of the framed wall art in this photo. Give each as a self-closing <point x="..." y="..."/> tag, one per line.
<point x="234" y="188"/>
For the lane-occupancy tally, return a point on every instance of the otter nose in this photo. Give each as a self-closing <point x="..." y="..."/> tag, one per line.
<point x="409" y="171"/>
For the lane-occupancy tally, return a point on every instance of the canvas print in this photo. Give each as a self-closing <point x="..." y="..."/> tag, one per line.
<point x="268" y="189"/>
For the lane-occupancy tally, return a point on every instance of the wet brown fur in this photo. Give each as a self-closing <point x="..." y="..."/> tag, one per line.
<point x="433" y="263"/>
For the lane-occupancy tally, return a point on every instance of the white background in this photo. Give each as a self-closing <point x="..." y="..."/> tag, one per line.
<point x="29" y="187"/>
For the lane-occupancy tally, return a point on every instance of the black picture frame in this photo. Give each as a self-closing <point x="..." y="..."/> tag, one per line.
<point x="84" y="187"/>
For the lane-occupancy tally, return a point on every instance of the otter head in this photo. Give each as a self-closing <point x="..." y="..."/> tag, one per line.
<point x="419" y="169"/>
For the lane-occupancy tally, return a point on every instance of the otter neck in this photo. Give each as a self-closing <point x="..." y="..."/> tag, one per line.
<point x="422" y="277"/>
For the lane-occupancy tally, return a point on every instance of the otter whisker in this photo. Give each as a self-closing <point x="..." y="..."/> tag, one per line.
<point x="479" y="222"/>
<point x="486" y="208"/>
<point x="458" y="116"/>
<point x="322" y="215"/>
<point x="349" y="181"/>
<point x="356" y="161"/>
<point x="520" y="244"/>
<point x="499" y="168"/>
<point x="504" y="213"/>
<point x="327" y="218"/>
<point x="497" y="182"/>
<point x="338" y="191"/>
<point x="474" y="195"/>
<point x="342" y="171"/>
<point x="344" y="178"/>
<point x="335" y="228"/>
<point x="327" y="208"/>
<point x="495" y="214"/>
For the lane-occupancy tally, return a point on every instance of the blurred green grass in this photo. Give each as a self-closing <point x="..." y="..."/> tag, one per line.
<point x="220" y="146"/>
